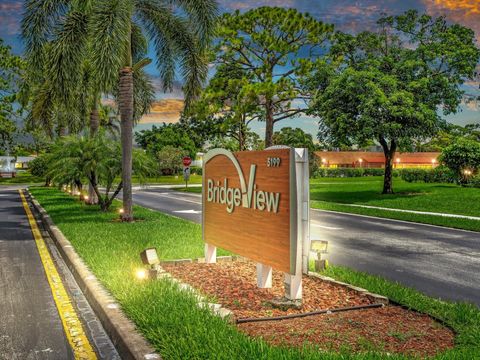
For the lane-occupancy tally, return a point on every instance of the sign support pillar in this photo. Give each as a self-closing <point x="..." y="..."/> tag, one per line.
<point x="264" y="276"/>
<point x="210" y="254"/>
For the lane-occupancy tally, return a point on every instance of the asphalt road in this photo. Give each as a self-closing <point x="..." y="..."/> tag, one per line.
<point x="440" y="262"/>
<point x="30" y="325"/>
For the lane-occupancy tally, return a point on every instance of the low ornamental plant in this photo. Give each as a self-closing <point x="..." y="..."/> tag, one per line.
<point x="348" y="172"/>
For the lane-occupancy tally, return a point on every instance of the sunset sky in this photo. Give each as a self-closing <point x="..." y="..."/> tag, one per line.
<point x="347" y="15"/>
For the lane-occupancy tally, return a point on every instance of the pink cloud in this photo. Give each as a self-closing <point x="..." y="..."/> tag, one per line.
<point x="10" y="14"/>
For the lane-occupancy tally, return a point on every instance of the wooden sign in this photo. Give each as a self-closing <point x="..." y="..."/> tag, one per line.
<point x="250" y="206"/>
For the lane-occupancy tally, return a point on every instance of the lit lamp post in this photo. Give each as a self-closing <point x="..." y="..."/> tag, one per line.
<point x="434" y="161"/>
<point x="324" y="161"/>
<point x="398" y="162"/>
<point x="360" y="161"/>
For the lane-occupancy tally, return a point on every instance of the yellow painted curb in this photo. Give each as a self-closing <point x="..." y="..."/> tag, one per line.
<point x="81" y="347"/>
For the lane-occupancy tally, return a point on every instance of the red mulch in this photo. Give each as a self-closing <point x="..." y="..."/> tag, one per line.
<point x="390" y="329"/>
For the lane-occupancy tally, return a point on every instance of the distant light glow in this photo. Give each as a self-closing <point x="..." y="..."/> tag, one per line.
<point x="121" y="211"/>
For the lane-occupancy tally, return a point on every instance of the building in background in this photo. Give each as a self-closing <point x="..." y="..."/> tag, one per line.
<point x="367" y="159"/>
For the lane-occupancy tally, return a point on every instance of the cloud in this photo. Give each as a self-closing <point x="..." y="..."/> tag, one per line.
<point x="465" y="12"/>
<point x="10" y="15"/>
<point x="164" y="111"/>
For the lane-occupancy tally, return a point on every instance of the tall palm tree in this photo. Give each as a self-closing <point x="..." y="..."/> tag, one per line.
<point x="115" y="34"/>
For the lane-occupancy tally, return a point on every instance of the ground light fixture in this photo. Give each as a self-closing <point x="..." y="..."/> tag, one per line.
<point x="319" y="247"/>
<point x="152" y="265"/>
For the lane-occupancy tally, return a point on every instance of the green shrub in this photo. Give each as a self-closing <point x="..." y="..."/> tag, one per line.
<point x="349" y="172"/>
<point x="440" y="174"/>
<point x="196" y="170"/>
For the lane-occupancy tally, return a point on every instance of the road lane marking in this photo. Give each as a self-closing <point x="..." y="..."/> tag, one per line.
<point x="412" y="223"/>
<point x="456" y="216"/>
<point x="168" y="196"/>
<point x="187" y="211"/>
<point x="78" y="340"/>
<point x="326" y="227"/>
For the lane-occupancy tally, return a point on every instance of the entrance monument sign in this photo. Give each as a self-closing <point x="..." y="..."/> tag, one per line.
<point x="251" y="208"/>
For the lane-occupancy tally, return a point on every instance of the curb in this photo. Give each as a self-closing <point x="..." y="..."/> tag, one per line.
<point x="128" y="341"/>
<point x="374" y="297"/>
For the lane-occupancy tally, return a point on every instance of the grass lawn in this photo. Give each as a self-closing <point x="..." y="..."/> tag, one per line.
<point x="23" y="177"/>
<point x="330" y="193"/>
<point x="169" y="317"/>
<point x="195" y="189"/>
<point x="169" y="180"/>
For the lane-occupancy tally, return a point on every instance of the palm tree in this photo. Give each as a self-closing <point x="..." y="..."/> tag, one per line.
<point x="114" y="35"/>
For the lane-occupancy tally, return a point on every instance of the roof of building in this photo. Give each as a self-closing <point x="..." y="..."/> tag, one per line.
<point x="348" y="157"/>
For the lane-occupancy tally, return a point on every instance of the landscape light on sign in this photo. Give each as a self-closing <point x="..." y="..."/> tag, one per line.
<point x="149" y="258"/>
<point x="141" y="274"/>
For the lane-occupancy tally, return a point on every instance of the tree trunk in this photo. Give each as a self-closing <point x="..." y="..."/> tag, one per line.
<point x="241" y="140"/>
<point x="94" y="125"/>
<point x="269" y="123"/>
<point x="126" y="116"/>
<point x="389" y="154"/>
<point x="62" y="130"/>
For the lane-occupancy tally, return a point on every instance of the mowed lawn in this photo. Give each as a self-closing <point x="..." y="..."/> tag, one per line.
<point x="440" y="198"/>
<point x="170" y="318"/>
<point x="331" y="193"/>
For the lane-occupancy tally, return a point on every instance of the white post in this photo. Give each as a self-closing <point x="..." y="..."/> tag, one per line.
<point x="264" y="276"/>
<point x="303" y="201"/>
<point x="293" y="286"/>
<point x="293" y="283"/>
<point x="210" y="254"/>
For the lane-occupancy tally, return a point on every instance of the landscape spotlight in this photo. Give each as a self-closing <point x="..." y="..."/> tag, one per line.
<point x="319" y="247"/>
<point x="150" y="259"/>
<point x="149" y="256"/>
<point x="120" y="211"/>
<point x="141" y="274"/>
<point x="85" y="197"/>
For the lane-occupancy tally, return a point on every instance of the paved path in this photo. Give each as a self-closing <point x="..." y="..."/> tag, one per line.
<point x="30" y="325"/>
<point x="438" y="261"/>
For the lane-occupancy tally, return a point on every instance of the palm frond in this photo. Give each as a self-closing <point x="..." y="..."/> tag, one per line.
<point x="37" y="25"/>
<point x="111" y="24"/>
<point x="203" y="15"/>
<point x="174" y="40"/>
<point x="67" y="54"/>
<point x="143" y="94"/>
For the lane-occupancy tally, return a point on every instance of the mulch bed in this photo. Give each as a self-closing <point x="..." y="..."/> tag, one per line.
<point x="390" y="329"/>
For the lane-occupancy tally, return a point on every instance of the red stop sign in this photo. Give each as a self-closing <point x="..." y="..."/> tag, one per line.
<point x="187" y="161"/>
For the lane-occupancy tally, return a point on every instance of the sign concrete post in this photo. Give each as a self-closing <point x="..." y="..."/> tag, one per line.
<point x="293" y="282"/>
<point x="264" y="276"/>
<point x="210" y="254"/>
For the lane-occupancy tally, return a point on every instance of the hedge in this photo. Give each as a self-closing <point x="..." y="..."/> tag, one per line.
<point x="349" y="172"/>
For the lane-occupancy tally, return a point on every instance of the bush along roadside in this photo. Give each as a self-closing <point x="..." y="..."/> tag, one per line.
<point x="348" y="172"/>
<point x="440" y="174"/>
<point x="169" y="318"/>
